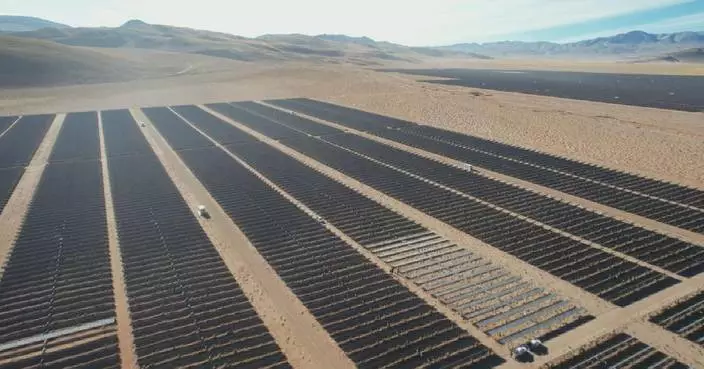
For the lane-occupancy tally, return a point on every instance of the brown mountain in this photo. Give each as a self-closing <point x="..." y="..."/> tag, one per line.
<point x="330" y="48"/>
<point x="12" y="23"/>
<point x="29" y="63"/>
<point x="35" y="62"/>
<point x="694" y="55"/>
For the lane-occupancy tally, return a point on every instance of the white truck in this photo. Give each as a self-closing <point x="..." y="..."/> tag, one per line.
<point x="203" y="212"/>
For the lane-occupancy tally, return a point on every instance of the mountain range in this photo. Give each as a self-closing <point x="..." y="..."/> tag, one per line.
<point x="630" y="44"/>
<point x="12" y="23"/>
<point x="136" y="34"/>
<point x="636" y="45"/>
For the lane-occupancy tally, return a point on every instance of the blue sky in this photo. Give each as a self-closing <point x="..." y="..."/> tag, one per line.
<point x="410" y="22"/>
<point x="676" y="17"/>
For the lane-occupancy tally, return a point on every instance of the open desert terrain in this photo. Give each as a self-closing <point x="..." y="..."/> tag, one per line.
<point x="652" y="142"/>
<point x="181" y="209"/>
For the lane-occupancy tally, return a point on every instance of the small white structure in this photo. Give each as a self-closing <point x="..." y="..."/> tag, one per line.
<point x="535" y="343"/>
<point x="520" y="351"/>
<point x="203" y="212"/>
<point x="142" y="124"/>
<point x="467" y="167"/>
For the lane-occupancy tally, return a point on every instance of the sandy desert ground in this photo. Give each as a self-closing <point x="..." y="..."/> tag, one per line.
<point x="605" y="65"/>
<point x="652" y="142"/>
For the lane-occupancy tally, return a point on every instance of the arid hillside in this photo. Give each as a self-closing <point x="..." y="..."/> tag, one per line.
<point x="36" y="63"/>
<point x="693" y="55"/>
<point x="136" y="50"/>
<point x="324" y="48"/>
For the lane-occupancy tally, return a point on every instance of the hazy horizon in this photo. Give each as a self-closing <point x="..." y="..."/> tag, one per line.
<point x="441" y="22"/>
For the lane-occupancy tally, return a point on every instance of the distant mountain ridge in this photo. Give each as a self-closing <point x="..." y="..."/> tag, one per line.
<point x="694" y="55"/>
<point x="632" y="43"/>
<point x="13" y="23"/>
<point x="28" y="62"/>
<point x="364" y="40"/>
<point x="326" y="48"/>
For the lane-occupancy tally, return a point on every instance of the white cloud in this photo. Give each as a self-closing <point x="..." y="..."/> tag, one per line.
<point x="403" y="21"/>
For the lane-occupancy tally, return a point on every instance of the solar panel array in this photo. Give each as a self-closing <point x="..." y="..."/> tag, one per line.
<point x="91" y="349"/>
<point x="374" y="319"/>
<point x="621" y="350"/>
<point x="17" y="146"/>
<point x="612" y="188"/>
<point x="9" y="178"/>
<point x="186" y="309"/>
<point x="671" y="254"/>
<point x="610" y="277"/>
<point x="58" y="275"/>
<point x="6" y="122"/>
<point x="185" y="306"/>
<point x="654" y="248"/>
<point x="685" y="318"/>
<point x="442" y="268"/>
<point x="502" y="304"/>
<point x="79" y="141"/>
